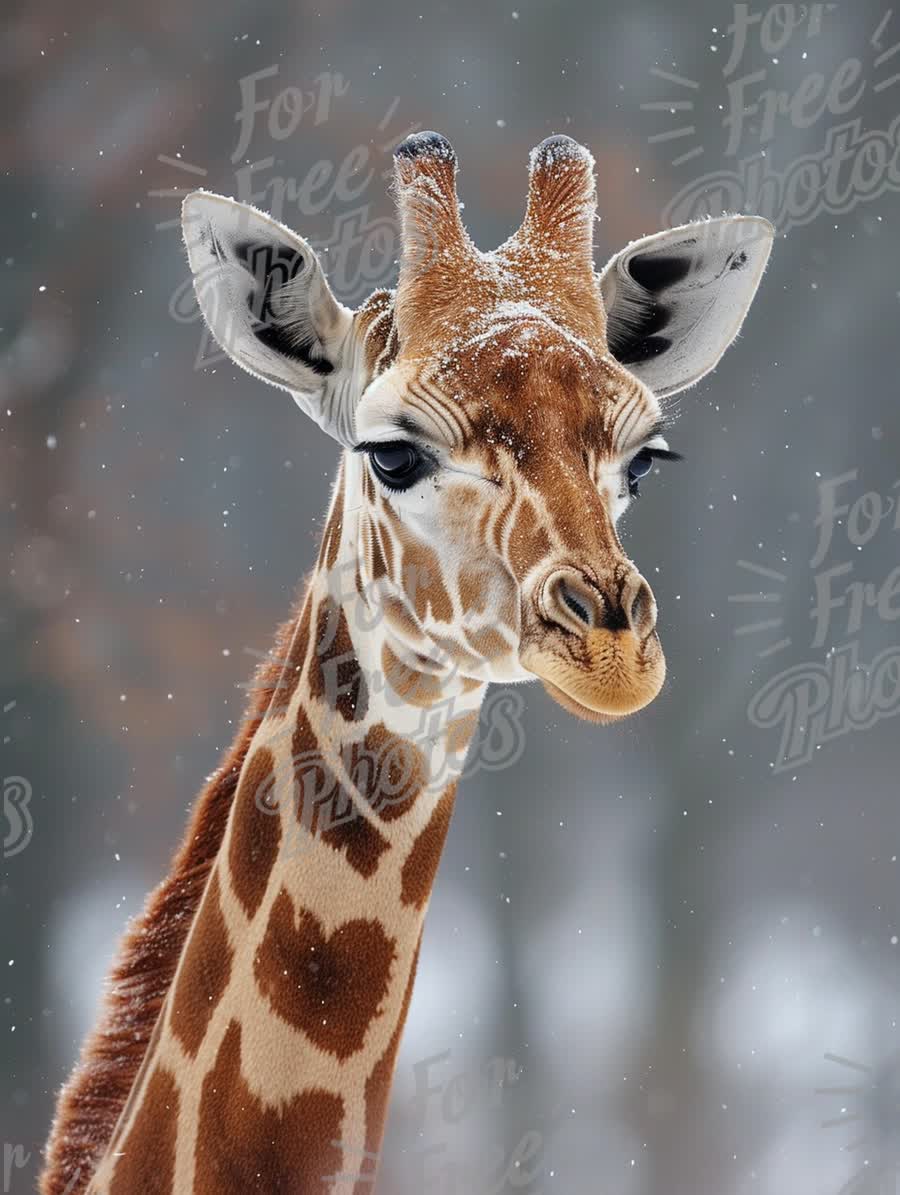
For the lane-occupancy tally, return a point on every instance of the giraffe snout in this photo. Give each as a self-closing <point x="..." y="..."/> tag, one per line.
<point x="593" y="645"/>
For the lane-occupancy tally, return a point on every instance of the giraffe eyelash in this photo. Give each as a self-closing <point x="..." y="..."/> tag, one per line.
<point x="369" y="446"/>
<point x="663" y="454"/>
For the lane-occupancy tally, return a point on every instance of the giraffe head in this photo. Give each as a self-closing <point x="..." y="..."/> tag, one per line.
<point x="499" y="410"/>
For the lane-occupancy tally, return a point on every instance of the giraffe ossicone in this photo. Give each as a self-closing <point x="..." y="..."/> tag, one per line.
<point x="497" y="412"/>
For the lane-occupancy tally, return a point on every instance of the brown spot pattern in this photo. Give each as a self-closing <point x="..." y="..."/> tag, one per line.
<point x="484" y="524"/>
<point x="472" y="588"/>
<point x="334" y="672"/>
<point x="381" y="553"/>
<point x="529" y="543"/>
<point x="358" y="839"/>
<point x="423" y="579"/>
<point x="420" y="868"/>
<point x="325" y="808"/>
<point x="459" y="733"/>
<point x="330" y="988"/>
<point x="204" y="973"/>
<point x="488" y="643"/>
<point x="147" y="1161"/>
<point x="416" y="688"/>
<point x="499" y="529"/>
<point x="378" y="1088"/>
<point x="390" y="774"/>
<point x="454" y="652"/>
<point x="401" y="620"/>
<point x="245" y="1146"/>
<point x="256" y="832"/>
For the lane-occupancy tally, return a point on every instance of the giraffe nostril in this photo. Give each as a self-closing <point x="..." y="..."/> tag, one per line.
<point x="578" y="608"/>
<point x="642" y="609"/>
<point x="639" y="607"/>
<point x="570" y="601"/>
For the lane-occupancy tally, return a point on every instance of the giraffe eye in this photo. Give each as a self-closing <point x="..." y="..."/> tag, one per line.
<point x="641" y="464"/>
<point x="639" y="467"/>
<point x="399" y="464"/>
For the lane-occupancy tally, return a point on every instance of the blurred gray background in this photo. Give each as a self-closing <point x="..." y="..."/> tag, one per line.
<point x="676" y="937"/>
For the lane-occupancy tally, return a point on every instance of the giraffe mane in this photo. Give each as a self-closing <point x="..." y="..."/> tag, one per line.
<point x="93" y="1098"/>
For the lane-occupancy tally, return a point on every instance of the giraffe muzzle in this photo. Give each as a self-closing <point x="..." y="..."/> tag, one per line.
<point x="594" y="648"/>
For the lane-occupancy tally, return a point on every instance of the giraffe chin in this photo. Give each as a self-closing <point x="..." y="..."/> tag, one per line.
<point x="622" y="675"/>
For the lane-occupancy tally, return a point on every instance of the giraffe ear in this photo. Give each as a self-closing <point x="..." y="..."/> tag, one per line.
<point x="675" y="301"/>
<point x="265" y="297"/>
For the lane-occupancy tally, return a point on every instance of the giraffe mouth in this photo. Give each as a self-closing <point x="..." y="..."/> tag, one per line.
<point x="571" y="706"/>
<point x="604" y="678"/>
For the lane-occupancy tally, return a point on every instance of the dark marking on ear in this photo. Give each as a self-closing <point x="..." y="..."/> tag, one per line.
<point x="643" y="350"/>
<point x="279" y="341"/>
<point x="738" y="261"/>
<point x="637" y="338"/>
<point x="273" y="266"/>
<point x="655" y="272"/>
<point x="215" y="244"/>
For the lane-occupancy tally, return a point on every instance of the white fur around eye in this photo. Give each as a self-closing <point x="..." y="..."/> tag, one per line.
<point x="613" y="490"/>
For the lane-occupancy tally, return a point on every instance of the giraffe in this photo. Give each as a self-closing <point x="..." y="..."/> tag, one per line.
<point x="497" y="414"/>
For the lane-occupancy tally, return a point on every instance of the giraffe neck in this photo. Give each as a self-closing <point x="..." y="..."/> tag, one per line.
<point x="271" y="1063"/>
